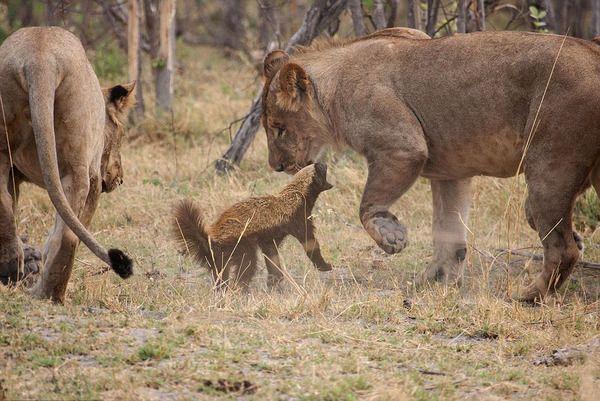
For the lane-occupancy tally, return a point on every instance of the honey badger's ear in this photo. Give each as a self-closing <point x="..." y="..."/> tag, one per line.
<point x="273" y="63"/>
<point x="294" y="83"/>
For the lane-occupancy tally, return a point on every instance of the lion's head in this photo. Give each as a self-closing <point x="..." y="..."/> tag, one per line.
<point x="119" y="100"/>
<point x="293" y="120"/>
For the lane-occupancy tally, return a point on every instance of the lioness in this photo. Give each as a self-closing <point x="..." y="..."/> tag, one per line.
<point x="64" y="135"/>
<point x="448" y="109"/>
<point x="256" y="223"/>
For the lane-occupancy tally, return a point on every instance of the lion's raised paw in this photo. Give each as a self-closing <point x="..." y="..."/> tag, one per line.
<point x="388" y="233"/>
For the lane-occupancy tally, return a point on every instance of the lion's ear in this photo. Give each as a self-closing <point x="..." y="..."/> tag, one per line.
<point x="294" y="84"/>
<point x="119" y="100"/>
<point x="273" y="63"/>
<point x="121" y="97"/>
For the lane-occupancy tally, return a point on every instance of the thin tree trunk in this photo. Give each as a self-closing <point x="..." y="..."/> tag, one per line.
<point x="164" y="66"/>
<point x="358" y="22"/>
<point x="432" y="12"/>
<point x="233" y="33"/>
<point x="461" y="16"/>
<point x="481" y="15"/>
<point x="318" y="17"/>
<point x="561" y="17"/>
<point x="269" y="31"/>
<point x="51" y="12"/>
<point x="393" y="13"/>
<point x="595" y="18"/>
<point x="379" y="14"/>
<point x="551" y="15"/>
<point x="134" y="53"/>
<point x="422" y="15"/>
<point x="577" y="25"/>
<point x="411" y="19"/>
<point x="151" y="16"/>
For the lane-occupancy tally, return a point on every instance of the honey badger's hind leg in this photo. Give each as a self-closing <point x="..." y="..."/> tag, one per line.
<point x="245" y="267"/>
<point x="270" y="251"/>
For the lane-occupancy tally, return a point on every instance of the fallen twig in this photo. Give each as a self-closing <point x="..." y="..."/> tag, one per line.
<point x="535" y="256"/>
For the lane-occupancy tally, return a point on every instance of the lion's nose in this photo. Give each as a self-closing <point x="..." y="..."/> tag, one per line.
<point x="279" y="168"/>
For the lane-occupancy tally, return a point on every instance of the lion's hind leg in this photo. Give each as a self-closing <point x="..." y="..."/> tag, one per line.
<point x="11" y="251"/>
<point x="59" y="251"/>
<point x="550" y="204"/>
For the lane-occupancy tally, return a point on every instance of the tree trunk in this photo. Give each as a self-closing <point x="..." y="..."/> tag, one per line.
<point x="51" y="12"/>
<point x="379" y="14"/>
<point x="422" y="15"/>
<point x="561" y="17"/>
<point x="461" y="16"/>
<point x="576" y="17"/>
<point x="393" y="13"/>
<point x="595" y="18"/>
<point x="164" y="64"/>
<point x="355" y="7"/>
<point x="134" y="53"/>
<point x="551" y="15"/>
<point x="432" y="12"/>
<point x="411" y="19"/>
<point x="481" y="15"/>
<point x="269" y="34"/>
<point x="233" y="35"/>
<point x="317" y="18"/>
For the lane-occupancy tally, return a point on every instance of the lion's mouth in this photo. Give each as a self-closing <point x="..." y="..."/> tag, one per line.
<point x="112" y="185"/>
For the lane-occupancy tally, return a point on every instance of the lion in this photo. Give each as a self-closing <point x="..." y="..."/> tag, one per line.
<point x="61" y="132"/>
<point x="233" y="240"/>
<point x="448" y="109"/>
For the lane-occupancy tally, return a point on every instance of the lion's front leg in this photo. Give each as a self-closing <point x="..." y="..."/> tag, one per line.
<point x="391" y="174"/>
<point x="451" y="203"/>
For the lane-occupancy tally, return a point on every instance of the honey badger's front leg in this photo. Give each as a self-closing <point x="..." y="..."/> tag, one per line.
<point x="306" y="236"/>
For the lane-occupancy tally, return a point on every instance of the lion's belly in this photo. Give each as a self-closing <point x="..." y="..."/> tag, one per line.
<point x="496" y="155"/>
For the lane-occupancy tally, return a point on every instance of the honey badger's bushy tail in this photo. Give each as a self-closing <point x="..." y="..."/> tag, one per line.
<point x="189" y="229"/>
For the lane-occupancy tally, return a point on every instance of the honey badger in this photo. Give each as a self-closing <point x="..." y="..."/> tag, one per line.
<point x="229" y="246"/>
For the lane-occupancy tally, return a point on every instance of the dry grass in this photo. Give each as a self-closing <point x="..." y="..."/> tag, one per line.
<point x="363" y="332"/>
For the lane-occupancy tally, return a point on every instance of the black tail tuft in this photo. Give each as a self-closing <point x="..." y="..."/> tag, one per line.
<point x="120" y="263"/>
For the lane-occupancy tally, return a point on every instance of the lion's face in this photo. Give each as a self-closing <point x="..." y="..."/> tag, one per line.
<point x="118" y="99"/>
<point x="294" y="124"/>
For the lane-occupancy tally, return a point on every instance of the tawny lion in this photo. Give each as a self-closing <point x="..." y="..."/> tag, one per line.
<point x="61" y="132"/>
<point x="488" y="103"/>
<point x="233" y="240"/>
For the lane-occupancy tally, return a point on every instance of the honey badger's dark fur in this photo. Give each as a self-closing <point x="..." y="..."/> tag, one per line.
<point x="232" y="241"/>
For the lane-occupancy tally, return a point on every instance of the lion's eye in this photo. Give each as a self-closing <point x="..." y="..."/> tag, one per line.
<point x="280" y="132"/>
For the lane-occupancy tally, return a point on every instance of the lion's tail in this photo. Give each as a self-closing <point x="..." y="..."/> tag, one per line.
<point x="190" y="231"/>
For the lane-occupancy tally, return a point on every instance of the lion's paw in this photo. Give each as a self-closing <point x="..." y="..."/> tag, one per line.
<point x="10" y="271"/>
<point x="32" y="259"/>
<point x="388" y="233"/>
